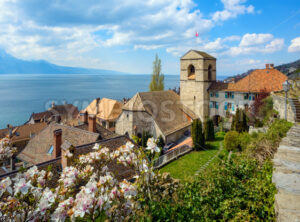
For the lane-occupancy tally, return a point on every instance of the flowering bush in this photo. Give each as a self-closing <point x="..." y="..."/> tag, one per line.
<point x="88" y="189"/>
<point x="5" y="150"/>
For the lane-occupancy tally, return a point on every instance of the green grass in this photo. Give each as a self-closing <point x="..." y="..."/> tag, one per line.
<point x="186" y="166"/>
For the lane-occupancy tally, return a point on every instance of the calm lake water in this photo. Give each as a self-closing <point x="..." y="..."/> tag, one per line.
<point x="20" y="95"/>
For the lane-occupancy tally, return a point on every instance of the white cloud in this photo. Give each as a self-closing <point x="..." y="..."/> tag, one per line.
<point x="232" y="8"/>
<point x="256" y="43"/>
<point x="295" y="45"/>
<point x="255" y="39"/>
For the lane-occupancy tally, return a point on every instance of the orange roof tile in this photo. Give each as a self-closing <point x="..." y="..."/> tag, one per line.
<point x="259" y="80"/>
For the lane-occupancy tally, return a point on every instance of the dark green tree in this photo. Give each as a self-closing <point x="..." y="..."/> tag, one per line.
<point x="240" y="121"/>
<point x="157" y="81"/>
<point x="209" y="130"/>
<point x="198" y="135"/>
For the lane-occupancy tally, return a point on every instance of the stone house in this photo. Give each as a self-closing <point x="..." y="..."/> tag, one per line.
<point x="106" y="110"/>
<point x="206" y="97"/>
<point x="161" y="113"/>
<point x="58" y="113"/>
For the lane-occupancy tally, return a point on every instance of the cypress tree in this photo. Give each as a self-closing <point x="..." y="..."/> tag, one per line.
<point x="198" y="135"/>
<point x="157" y="81"/>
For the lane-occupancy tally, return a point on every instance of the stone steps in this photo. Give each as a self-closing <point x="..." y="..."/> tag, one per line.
<point x="286" y="176"/>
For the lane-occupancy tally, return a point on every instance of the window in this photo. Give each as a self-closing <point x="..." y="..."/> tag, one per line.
<point x="225" y="105"/>
<point x="191" y="72"/>
<point x="211" y="94"/>
<point x="232" y="106"/>
<point x="217" y="94"/>
<point x="229" y="95"/>
<point x="246" y="96"/>
<point x="50" y="151"/>
<point x="214" y="105"/>
<point x="209" y="73"/>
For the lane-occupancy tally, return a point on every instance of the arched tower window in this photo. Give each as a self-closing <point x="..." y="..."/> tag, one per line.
<point x="209" y="73"/>
<point x="191" y="72"/>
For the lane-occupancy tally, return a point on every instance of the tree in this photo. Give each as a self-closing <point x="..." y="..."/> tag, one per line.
<point x="209" y="130"/>
<point x="197" y="135"/>
<point x="157" y="82"/>
<point x="240" y="121"/>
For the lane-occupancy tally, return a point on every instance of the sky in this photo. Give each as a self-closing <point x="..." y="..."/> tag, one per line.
<point x="125" y="35"/>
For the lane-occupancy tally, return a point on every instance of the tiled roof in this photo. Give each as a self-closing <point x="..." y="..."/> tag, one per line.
<point x="108" y="109"/>
<point x="111" y="144"/>
<point x="104" y="133"/>
<point x="66" y="111"/>
<point x="27" y="131"/>
<point x="165" y="108"/>
<point x="200" y="53"/>
<point x="42" y="115"/>
<point x="259" y="80"/>
<point x="37" y="149"/>
<point x="24" y="131"/>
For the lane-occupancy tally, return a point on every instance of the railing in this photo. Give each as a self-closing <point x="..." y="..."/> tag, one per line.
<point x="171" y="155"/>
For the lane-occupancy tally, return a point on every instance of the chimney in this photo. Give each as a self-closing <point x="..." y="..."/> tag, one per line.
<point x="57" y="140"/>
<point x="52" y="104"/>
<point x="92" y="123"/>
<point x="267" y="66"/>
<point x="84" y="117"/>
<point x="97" y="104"/>
<point x="271" y="66"/>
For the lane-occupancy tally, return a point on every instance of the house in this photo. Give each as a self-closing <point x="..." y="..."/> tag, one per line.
<point x="41" y="147"/>
<point x="106" y="110"/>
<point x="160" y="113"/>
<point x="89" y="123"/>
<point x="206" y="97"/>
<point x="20" y="135"/>
<point x="58" y="113"/>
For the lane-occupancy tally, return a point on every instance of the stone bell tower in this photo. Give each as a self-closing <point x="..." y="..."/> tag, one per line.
<point x="197" y="72"/>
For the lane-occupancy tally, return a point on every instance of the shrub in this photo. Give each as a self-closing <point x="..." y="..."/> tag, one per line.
<point x="136" y="139"/>
<point x="209" y="130"/>
<point x="145" y="136"/>
<point x="244" y="140"/>
<point x="231" y="141"/>
<point x="197" y="135"/>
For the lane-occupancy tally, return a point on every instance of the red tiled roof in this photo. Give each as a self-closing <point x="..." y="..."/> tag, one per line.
<point x="259" y="80"/>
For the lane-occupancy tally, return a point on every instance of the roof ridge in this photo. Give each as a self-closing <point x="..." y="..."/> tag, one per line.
<point x="76" y="129"/>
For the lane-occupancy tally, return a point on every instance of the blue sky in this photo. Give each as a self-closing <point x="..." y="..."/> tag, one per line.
<point x="125" y="35"/>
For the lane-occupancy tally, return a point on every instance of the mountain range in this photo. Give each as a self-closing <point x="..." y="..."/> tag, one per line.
<point x="12" y="65"/>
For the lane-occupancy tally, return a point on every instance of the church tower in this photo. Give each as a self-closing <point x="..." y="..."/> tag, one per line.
<point x="197" y="72"/>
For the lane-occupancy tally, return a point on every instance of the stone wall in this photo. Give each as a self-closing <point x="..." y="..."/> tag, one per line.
<point x="177" y="135"/>
<point x="279" y="106"/>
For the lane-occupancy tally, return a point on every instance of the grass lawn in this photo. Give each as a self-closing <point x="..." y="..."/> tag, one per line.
<point x="186" y="166"/>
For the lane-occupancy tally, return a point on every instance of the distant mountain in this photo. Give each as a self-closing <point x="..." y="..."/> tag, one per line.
<point x="12" y="65"/>
<point x="288" y="69"/>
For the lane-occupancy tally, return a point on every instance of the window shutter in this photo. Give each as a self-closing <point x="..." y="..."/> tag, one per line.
<point x="217" y="105"/>
<point x="217" y="95"/>
<point x="226" y="95"/>
<point x="232" y="106"/>
<point x="210" y="104"/>
<point x="232" y="95"/>
<point x="225" y="106"/>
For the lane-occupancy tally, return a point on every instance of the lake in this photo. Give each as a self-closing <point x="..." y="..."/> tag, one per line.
<point x="23" y="94"/>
